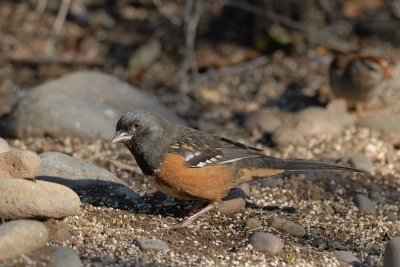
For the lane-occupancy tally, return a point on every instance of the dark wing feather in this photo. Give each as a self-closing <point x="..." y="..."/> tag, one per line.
<point x="200" y="149"/>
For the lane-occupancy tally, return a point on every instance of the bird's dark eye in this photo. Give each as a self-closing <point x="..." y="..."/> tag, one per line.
<point x="137" y="126"/>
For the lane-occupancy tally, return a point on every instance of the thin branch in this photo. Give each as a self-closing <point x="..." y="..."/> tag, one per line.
<point x="164" y="11"/>
<point x="40" y="8"/>
<point x="251" y="64"/>
<point x="313" y="34"/>
<point x="192" y="18"/>
<point x="62" y="14"/>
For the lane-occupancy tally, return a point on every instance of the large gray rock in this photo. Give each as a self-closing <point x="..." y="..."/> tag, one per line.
<point x="77" y="174"/>
<point x="21" y="236"/>
<point x="314" y="121"/>
<point x="21" y="198"/>
<point x="83" y="104"/>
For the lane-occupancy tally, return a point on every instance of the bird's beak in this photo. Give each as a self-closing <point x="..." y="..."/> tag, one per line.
<point x="121" y="137"/>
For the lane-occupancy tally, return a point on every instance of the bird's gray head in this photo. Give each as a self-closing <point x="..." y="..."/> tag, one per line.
<point x="140" y="128"/>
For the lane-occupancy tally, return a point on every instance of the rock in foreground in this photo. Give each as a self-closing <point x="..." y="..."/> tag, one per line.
<point x="26" y="199"/>
<point x="19" y="164"/>
<point x="21" y="236"/>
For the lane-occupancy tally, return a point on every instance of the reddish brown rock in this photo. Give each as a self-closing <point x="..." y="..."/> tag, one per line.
<point x="19" y="164"/>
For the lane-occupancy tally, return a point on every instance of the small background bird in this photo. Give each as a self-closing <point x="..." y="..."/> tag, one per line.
<point x="357" y="78"/>
<point x="189" y="164"/>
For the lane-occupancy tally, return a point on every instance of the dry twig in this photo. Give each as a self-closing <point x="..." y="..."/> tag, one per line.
<point x="194" y="9"/>
<point x="251" y="64"/>
<point x="61" y="15"/>
<point x="313" y="34"/>
<point x="163" y="10"/>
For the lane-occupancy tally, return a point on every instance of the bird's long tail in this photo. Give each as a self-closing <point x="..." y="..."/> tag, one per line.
<point x="305" y="165"/>
<point x="258" y="168"/>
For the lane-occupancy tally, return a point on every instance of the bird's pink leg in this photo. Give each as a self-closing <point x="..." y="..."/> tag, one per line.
<point x="189" y="220"/>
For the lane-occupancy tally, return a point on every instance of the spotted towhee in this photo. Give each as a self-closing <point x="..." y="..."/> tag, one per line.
<point x="189" y="164"/>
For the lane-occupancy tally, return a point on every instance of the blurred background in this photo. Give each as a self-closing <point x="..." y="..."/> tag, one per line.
<point x="206" y="60"/>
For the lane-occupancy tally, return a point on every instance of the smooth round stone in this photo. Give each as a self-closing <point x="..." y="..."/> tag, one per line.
<point x="231" y="206"/>
<point x="233" y="202"/>
<point x="245" y="188"/>
<point x="364" y="204"/>
<point x="266" y="242"/>
<point x="21" y="198"/>
<point x="151" y="244"/>
<point x="347" y="257"/>
<point x="19" y="164"/>
<point x="65" y="257"/>
<point x="4" y="146"/>
<point x="288" y="226"/>
<point x="392" y="253"/>
<point x="21" y="236"/>
<point x="253" y="223"/>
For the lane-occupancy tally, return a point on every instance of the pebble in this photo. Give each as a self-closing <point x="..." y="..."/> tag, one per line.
<point x="266" y="242"/>
<point x="65" y="257"/>
<point x="21" y="236"/>
<point x="26" y="199"/>
<point x="4" y="146"/>
<point x="151" y="244"/>
<point x="287" y="226"/>
<point x="253" y="223"/>
<point x="347" y="257"/>
<point x="245" y="188"/>
<point x="19" y="164"/>
<point x="77" y="174"/>
<point x="231" y="206"/>
<point x="364" y="204"/>
<point x="392" y="253"/>
<point x="85" y="110"/>
<point x="233" y="202"/>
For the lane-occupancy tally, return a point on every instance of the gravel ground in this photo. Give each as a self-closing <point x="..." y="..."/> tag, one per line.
<point x="104" y="233"/>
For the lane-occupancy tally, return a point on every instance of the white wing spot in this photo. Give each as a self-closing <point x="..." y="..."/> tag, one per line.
<point x="175" y="146"/>
<point x="189" y="156"/>
<point x="213" y="159"/>
<point x="219" y="156"/>
<point x="197" y="153"/>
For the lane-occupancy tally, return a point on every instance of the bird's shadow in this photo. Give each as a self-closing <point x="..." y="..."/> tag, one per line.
<point x="115" y="195"/>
